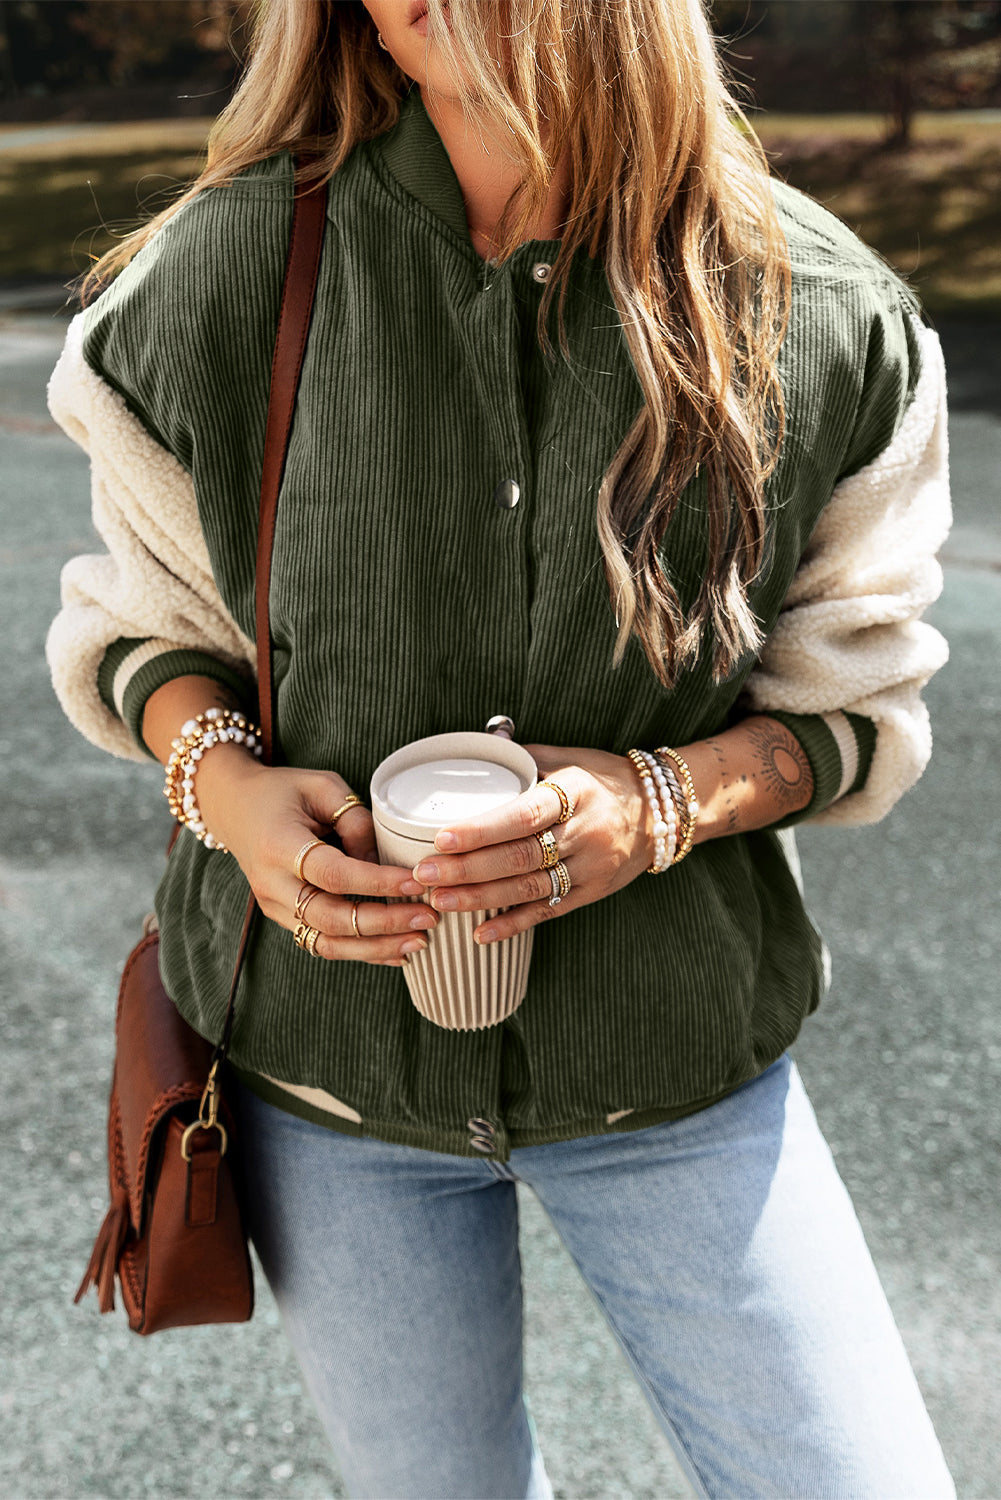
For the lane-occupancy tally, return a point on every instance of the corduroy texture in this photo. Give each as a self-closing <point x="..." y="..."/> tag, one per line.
<point x="405" y="603"/>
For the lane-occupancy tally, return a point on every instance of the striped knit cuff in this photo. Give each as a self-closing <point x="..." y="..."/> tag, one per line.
<point x="132" y="670"/>
<point x="839" y="747"/>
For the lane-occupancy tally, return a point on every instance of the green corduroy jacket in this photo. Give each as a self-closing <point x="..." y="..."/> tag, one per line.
<point x="406" y="602"/>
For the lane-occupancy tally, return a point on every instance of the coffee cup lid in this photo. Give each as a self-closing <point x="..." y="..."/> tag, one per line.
<point x="459" y="746"/>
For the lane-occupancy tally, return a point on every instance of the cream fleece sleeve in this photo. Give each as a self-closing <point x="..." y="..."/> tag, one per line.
<point x="151" y="596"/>
<point x="850" y="639"/>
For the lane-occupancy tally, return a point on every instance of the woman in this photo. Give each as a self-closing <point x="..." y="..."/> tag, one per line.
<point x="700" y="520"/>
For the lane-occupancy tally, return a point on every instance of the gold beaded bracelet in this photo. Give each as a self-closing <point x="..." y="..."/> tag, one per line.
<point x="691" y="807"/>
<point x="216" y="726"/>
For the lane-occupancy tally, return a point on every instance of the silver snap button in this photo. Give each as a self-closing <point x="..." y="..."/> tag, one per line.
<point x="480" y="1143"/>
<point x="507" y="494"/>
<point x="541" y="271"/>
<point x="480" y="1126"/>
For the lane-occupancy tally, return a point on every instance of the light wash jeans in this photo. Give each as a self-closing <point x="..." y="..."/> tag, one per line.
<point x="722" y="1248"/>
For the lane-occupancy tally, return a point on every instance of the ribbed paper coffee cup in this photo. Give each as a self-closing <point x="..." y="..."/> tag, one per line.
<point x="454" y="982"/>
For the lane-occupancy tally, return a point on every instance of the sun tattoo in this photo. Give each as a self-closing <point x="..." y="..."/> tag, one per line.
<point x="783" y="765"/>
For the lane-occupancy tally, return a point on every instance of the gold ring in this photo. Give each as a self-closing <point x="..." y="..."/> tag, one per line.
<point x="305" y="896"/>
<point x="354" y="918"/>
<point x="306" y="937"/>
<point x="550" y="853"/>
<point x="313" y="844"/>
<point x="314" y="891"/>
<point x="566" y="805"/>
<point x="350" y="801"/>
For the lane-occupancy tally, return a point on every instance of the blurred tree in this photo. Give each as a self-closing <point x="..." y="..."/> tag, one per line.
<point x="798" y="55"/>
<point x="929" y="54"/>
<point x="143" y="39"/>
<point x="51" y="46"/>
<point x="7" y="83"/>
<point x="912" y="35"/>
<point x="42" y="50"/>
<point x="896" y="56"/>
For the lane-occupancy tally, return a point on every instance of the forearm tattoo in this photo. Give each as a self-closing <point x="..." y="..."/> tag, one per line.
<point x="224" y="697"/>
<point x="781" y="762"/>
<point x="728" y="785"/>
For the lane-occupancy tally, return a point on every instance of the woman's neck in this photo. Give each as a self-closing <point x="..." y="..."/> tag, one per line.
<point x="487" y="177"/>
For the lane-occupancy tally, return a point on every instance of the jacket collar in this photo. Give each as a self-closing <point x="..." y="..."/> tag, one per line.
<point x="414" y="152"/>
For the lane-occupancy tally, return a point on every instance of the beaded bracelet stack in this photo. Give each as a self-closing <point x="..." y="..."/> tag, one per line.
<point x="216" y="726"/>
<point x="673" y="805"/>
<point x="685" y="799"/>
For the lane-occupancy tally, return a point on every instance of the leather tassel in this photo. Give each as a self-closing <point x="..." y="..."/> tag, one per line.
<point x="103" y="1262"/>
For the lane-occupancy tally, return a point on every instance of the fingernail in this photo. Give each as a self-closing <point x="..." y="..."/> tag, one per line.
<point x="446" y="841"/>
<point x="427" y="872"/>
<point x="414" y="945"/>
<point x="422" y="922"/>
<point x="445" y="901"/>
<point x="411" y="888"/>
<point x="486" y="936"/>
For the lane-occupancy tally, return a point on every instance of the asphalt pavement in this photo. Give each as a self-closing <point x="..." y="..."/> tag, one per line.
<point x="903" y="1061"/>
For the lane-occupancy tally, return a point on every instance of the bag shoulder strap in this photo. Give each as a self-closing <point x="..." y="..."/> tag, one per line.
<point x="302" y="268"/>
<point x="309" y="217"/>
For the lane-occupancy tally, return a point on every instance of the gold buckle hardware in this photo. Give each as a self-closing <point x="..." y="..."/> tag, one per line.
<point x="208" y="1116"/>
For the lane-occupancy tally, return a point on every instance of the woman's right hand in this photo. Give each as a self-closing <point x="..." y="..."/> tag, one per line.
<point x="264" y="815"/>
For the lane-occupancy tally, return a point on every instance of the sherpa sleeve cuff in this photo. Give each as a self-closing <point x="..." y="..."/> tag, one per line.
<point x="846" y="663"/>
<point x="147" y="609"/>
<point x="839" y="747"/>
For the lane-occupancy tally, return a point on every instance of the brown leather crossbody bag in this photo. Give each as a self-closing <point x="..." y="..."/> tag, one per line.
<point x="174" y="1237"/>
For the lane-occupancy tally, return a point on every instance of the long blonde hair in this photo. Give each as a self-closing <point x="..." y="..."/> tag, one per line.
<point x="668" y="186"/>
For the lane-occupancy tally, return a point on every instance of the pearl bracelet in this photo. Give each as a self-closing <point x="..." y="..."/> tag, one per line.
<point x="216" y="726"/>
<point x="686" y="798"/>
<point x="661" y="805"/>
<point x="668" y="805"/>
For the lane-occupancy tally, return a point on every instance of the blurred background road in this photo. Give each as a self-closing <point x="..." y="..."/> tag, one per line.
<point x="903" y="1061"/>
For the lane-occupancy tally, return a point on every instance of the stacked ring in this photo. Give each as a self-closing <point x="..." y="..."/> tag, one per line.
<point x="305" y="896"/>
<point x="550" y="853"/>
<point x="560" y="878"/>
<point x="567" y="807"/>
<point x="313" y="844"/>
<point x="306" y="937"/>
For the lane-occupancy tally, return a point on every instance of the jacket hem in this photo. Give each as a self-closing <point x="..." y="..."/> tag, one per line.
<point x="457" y="1142"/>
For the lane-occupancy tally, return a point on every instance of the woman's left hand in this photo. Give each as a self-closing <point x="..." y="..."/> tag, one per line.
<point x="495" y="860"/>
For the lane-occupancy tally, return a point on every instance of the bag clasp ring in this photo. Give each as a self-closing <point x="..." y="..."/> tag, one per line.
<point x="208" y="1116"/>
